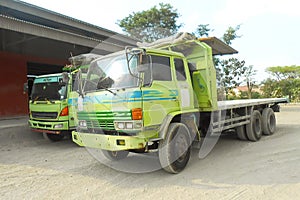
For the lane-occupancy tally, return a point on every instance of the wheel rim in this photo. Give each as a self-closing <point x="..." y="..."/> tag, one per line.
<point x="272" y="123"/>
<point x="181" y="146"/>
<point x="257" y="126"/>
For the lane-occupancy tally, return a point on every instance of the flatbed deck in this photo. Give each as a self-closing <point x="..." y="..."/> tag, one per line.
<point x="229" y="104"/>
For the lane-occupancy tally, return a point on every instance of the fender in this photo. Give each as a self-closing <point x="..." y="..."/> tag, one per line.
<point x="185" y="116"/>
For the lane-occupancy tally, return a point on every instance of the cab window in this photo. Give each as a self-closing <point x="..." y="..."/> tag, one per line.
<point x="161" y="70"/>
<point x="179" y="67"/>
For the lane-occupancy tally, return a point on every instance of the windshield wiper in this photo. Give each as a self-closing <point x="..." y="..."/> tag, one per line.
<point x="49" y="101"/>
<point x="100" y="87"/>
<point x="39" y="97"/>
<point x="35" y="99"/>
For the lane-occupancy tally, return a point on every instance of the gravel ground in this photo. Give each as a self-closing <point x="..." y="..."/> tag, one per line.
<point x="33" y="168"/>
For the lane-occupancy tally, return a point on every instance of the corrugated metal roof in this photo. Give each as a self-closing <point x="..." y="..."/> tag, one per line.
<point x="37" y="15"/>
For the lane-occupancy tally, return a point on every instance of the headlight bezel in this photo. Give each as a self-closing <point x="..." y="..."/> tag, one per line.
<point x="82" y="124"/>
<point x="130" y="125"/>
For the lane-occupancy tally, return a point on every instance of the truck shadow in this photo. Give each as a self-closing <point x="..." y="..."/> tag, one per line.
<point x="231" y="162"/>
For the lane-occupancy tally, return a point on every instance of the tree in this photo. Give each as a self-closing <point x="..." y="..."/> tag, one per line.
<point x="249" y="74"/>
<point x="286" y="82"/>
<point x="152" y="24"/>
<point x="285" y="72"/>
<point x="203" y="30"/>
<point x="231" y="34"/>
<point x="229" y="73"/>
<point x="232" y="72"/>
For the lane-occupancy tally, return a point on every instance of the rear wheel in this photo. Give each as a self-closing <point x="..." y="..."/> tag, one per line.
<point x="268" y="121"/>
<point x="241" y="132"/>
<point x="174" y="151"/>
<point x="53" y="137"/>
<point x="254" y="128"/>
<point x="115" y="155"/>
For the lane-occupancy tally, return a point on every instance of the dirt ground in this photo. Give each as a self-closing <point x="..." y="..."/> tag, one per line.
<point x="33" y="168"/>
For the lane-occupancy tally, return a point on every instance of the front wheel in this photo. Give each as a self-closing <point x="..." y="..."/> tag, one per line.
<point x="174" y="151"/>
<point x="115" y="155"/>
<point x="53" y="137"/>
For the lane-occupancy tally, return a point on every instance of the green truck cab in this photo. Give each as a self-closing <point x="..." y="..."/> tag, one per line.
<point x="159" y="97"/>
<point x="52" y="105"/>
<point x="48" y="108"/>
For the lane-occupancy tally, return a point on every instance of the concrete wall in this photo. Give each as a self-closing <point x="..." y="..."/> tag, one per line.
<point x="13" y="74"/>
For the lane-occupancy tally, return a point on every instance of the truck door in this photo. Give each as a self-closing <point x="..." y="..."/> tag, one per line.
<point x="183" y="82"/>
<point x="160" y="97"/>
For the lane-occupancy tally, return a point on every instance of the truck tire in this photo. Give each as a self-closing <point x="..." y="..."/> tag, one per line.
<point x="268" y="121"/>
<point x="241" y="132"/>
<point x="254" y="128"/>
<point x="175" y="150"/>
<point x="115" y="155"/>
<point x="53" y="137"/>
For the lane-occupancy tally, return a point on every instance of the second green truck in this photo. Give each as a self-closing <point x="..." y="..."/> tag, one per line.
<point x="53" y="100"/>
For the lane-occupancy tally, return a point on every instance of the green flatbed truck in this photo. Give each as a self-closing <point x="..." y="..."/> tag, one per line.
<point x="163" y="97"/>
<point x="51" y="106"/>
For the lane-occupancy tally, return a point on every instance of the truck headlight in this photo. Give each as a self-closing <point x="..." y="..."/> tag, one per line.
<point x="82" y="123"/>
<point x="120" y="125"/>
<point x="58" y="126"/>
<point x="129" y="125"/>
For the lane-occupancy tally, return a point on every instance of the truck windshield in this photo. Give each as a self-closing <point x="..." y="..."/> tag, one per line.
<point x="112" y="73"/>
<point x="48" y="89"/>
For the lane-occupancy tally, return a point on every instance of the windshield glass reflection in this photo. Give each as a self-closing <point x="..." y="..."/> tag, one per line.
<point x="112" y="73"/>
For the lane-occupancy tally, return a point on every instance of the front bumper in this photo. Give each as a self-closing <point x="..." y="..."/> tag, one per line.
<point x="49" y="127"/>
<point x="109" y="142"/>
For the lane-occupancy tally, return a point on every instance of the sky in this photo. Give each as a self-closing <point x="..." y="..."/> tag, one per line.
<point x="269" y="28"/>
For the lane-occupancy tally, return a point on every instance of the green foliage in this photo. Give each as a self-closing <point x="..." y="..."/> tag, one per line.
<point x="249" y="74"/>
<point x="203" y="30"/>
<point x="284" y="72"/>
<point x="286" y="82"/>
<point x="232" y="95"/>
<point x="254" y="95"/>
<point x="230" y="73"/>
<point x="152" y="24"/>
<point x="231" y="34"/>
